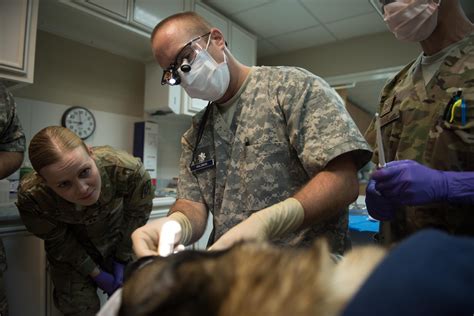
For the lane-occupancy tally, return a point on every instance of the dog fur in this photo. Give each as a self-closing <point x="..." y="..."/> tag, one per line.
<point x="248" y="279"/>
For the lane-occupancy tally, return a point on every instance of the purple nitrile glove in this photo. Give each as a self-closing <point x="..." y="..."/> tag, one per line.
<point x="106" y="282"/>
<point x="411" y="183"/>
<point x="118" y="272"/>
<point x="378" y="206"/>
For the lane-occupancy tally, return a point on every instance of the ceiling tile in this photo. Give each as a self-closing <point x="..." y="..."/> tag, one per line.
<point x="276" y="18"/>
<point x="357" y="26"/>
<point x="231" y="7"/>
<point x="334" y="10"/>
<point x="313" y="36"/>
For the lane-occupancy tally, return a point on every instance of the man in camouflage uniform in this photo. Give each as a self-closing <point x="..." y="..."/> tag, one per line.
<point x="416" y="123"/>
<point x="12" y="146"/>
<point x="81" y="239"/>
<point x="273" y="153"/>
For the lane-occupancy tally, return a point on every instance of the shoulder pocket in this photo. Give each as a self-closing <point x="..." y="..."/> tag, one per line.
<point x="390" y="112"/>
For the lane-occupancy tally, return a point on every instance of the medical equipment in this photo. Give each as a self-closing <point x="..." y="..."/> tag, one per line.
<point x="378" y="132"/>
<point x="169" y="236"/>
<point x="184" y="60"/>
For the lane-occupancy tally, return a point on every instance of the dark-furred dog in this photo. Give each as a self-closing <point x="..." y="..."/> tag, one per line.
<point x="248" y="279"/>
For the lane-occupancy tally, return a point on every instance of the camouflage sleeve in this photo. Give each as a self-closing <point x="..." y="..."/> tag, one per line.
<point x="137" y="208"/>
<point x="319" y="126"/>
<point x="188" y="187"/>
<point x="60" y="243"/>
<point x="12" y="137"/>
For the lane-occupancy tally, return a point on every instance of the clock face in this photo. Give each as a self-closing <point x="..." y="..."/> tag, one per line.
<point x="79" y="120"/>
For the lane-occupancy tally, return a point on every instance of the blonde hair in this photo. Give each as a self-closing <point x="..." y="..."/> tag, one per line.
<point x="49" y="145"/>
<point x="196" y="25"/>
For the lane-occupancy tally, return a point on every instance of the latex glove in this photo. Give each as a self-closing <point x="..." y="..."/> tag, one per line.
<point x="146" y="238"/>
<point x="379" y="207"/>
<point x="106" y="282"/>
<point x="118" y="272"/>
<point x="272" y="222"/>
<point x="411" y="183"/>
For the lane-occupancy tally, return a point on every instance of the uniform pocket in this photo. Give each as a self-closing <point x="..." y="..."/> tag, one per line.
<point x="452" y="146"/>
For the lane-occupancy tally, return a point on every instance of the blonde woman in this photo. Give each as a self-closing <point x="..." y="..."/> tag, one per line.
<point x="85" y="203"/>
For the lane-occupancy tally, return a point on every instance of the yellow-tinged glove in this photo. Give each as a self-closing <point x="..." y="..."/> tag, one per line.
<point x="146" y="238"/>
<point x="270" y="223"/>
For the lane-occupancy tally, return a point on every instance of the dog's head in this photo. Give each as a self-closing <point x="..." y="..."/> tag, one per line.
<point x="247" y="279"/>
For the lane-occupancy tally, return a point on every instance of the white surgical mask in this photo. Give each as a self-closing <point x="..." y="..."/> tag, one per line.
<point x="207" y="79"/>
<point x="412" y="21"/>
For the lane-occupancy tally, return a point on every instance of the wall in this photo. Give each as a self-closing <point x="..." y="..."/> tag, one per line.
<point x="355" y="55"/>
<point x="112" y="129"/>
<point x="70" y="73"/>
<point x="361" y="118"/>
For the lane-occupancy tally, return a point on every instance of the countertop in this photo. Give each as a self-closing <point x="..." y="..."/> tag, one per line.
<point x="10" y="221"/>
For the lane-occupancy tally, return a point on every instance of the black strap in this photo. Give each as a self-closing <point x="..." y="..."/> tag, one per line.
<point x="202" y="125"/>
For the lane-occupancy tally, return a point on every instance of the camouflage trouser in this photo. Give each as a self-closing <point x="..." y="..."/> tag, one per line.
<point x="3" y="294"/>
<point x="74" y="293"/>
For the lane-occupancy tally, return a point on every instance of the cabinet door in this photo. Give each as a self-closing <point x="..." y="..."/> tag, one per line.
<point x="18" y="39"/>
<point x="25" y="279"/>
<point x="214" y="18"/>
<point x="243" y="46"/>
<point x="160" y="97"/>
<point x="192" y="106"/>
<point x="113" y="8"/>
<point x="148" y="13"/>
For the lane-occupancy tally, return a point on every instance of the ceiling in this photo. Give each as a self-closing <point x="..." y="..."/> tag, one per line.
<point x="280" y="26"/>
<point x="288" y="25"/>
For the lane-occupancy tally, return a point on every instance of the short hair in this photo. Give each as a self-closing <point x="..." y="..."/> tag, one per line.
<point x="49" y="145"/>
<point x="197" y="25"/>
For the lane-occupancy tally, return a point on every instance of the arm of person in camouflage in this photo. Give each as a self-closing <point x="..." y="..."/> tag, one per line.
<point x="60" y="243"/>
<point x="137" y="208"/>
<point x="12" y="138"/>
<point x="329" y="146"/>
<point x="188" y="210"/>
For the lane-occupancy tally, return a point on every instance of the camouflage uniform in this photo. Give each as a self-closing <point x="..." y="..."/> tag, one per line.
<point x="288" y="125"/>
<point x="79" y="238"/>
<point x="413" y="127"/>
<point x="12" y="138"/>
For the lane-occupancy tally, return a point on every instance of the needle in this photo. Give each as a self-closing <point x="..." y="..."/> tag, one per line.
<point x="379" y="141"/>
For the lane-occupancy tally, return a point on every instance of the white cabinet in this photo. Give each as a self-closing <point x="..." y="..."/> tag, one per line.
<point x="243" y="45"/>
<point x="192" y="106"/>
<point x="213" y="17"/>
<point x="148" y="13"/>
<point x="114" y="8"/>
<point x="158" y="97"/>
<point x="18" y="39"/>
<point x="144" y="14"/>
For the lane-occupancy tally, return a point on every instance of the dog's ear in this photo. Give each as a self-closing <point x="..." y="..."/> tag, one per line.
<point x="178" y="285"/>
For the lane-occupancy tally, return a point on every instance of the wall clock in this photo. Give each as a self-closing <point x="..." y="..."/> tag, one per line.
<point x="79" y="120"/>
